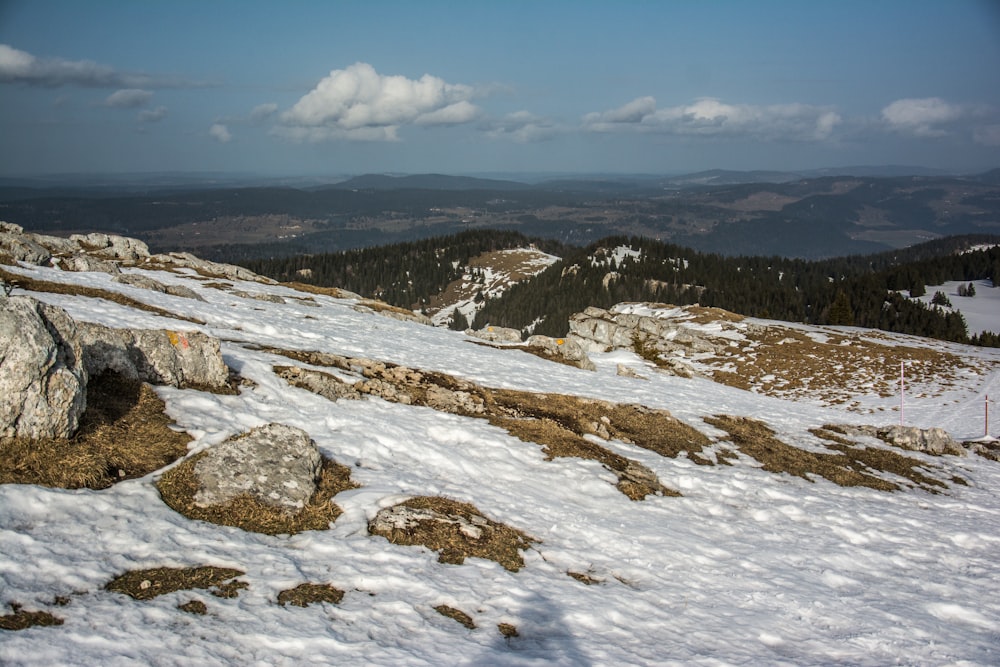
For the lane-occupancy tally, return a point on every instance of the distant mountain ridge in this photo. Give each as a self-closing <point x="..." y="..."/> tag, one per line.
<point x="426" y="182"/>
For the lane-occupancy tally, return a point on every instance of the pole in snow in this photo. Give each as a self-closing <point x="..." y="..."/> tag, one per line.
<point x="901" y="392"/>
<point x="987" y="403"/>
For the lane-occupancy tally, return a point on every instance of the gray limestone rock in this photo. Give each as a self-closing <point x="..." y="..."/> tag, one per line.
<point x="23" y="249"/>
<point x="86" y="263"/>
<point x="496" y="334"/>
<point x="42" y="375"/>
<point x="158" y="356"/>
<point x="276" y="464"/>
<point x="929" y="440"/>
<point x="566" y="348"/>
<point x="111" y="246"/>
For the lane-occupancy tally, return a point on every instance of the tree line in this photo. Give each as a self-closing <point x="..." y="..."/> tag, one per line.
<point x="865" y="290"/>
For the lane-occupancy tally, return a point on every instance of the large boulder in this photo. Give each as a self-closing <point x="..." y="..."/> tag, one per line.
<point x="181" y="359"/>
<point x="42" y="375"/>
<point x="276" y="464"/>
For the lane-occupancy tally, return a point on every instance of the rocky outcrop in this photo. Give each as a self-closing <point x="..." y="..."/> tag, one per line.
<point x="186" y="260"/>
<point x="565" y="350"/>
<point x="23" y="249"/>
<point x="111" y="246"/>
<point x="276" y="464"/>
<point x="145" y="282"/>
<point x="496" y="334"/>
<point x="928" y="440"/>
<point x="42" y="375"/>
<point x="82" y="262"/>
<point x="180" y="359"/>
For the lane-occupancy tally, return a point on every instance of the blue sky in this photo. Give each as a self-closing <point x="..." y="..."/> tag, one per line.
<point x="332" y="88"/>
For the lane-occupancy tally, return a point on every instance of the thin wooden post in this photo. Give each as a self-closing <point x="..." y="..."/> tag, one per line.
<point x="902" y="390"/>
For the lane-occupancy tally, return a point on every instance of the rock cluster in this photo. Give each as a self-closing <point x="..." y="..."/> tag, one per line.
<point x="157" y="356"/>
<point x="599" y="330"/>
<point x="46" y="360"/>
<point x="928" y="440"/>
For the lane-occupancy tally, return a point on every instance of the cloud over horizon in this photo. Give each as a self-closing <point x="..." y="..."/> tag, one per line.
<point x="710" y="117"/>
<point x="359" y="103"/>
<point x="936" y="118"/>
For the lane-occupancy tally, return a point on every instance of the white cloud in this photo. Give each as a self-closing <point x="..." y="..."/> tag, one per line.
<point x="922" y="117"/>
<point x="359" y="103"/>
<point x="263" y="112"/>
<point x="710" y="117"/>
<point x="220" y="133"/>
<point x="521" y="126"/>
<point x="128" y="98"/>
<point x="18" y="66"/>
<point x="152" y="115"/>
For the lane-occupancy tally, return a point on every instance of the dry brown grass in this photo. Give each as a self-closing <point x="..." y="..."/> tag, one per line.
<point x="148" y="584"/>
<point x="194" y="607"/>
<point x="584" y="578"/>
<point x="123" y="434"/>
<point x="179" y="485"/>
<point x="456" y="615"/>
<point x="30" y="284"/>
<point x="19" y="619"/>
<point x="558" y="422"/>
<point x="306" y="594"/>
<point x="335" y="292"/>
<point x="500" y="543"/>
<point x="782" y="361"/>
<point x="508" y="630"/>
<point x="851" y="466"/>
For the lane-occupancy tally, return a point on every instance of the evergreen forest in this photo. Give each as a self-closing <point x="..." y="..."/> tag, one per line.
<point x="864" y="290"/>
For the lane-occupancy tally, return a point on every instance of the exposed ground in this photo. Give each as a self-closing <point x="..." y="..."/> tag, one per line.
<point x="178" y="487"/>
<point x="123" y="434"/>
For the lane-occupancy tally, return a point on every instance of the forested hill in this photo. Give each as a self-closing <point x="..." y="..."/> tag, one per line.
<point x="858" y="290"/>
<point x="403" y="274"/>
<point x="861" y="290"/>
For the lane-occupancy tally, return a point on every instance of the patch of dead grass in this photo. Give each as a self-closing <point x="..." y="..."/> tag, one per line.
<point x="783" y="361"/>
<point x="179" y="485"/>
<point x="584" y="578"/>
<point x="194" y="607"/>
<point x="151" y="583"/>
<point x="334" y="292"/>
<point x="851" y="465"/>
<point x="557" y="422"/>
<point x="456" y="615"/>
<point x="499" y="542"/>
<point x="19" y="619"/>
<point x="31" y="284"/>
<point x="508" y="630"/>
<point x="306" y="594"/>
<point x="123" y="434"/>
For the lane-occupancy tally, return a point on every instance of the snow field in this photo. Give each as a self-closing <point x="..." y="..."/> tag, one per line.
<point x="748" y="567"/>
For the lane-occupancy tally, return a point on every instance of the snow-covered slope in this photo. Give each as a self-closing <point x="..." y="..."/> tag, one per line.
<point x="746" y="567"/>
